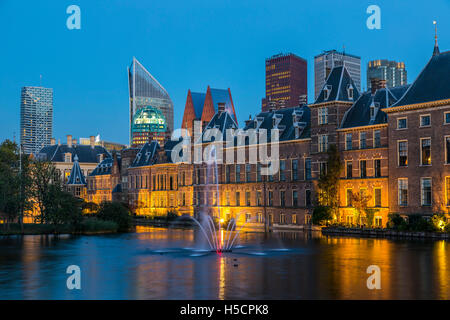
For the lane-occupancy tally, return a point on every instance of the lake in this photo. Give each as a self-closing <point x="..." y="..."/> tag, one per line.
<point x="159" y="263"/>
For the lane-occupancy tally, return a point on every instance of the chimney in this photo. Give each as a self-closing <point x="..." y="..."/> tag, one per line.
<point x="69" y="140"/>
<point x="52" y="141"/>
<point x="59" y="142"/>
<point x="92" y="141"/>
<point x="74" y="141"/>
<point x="376" y="84"/>
<point x="221" y="107"/>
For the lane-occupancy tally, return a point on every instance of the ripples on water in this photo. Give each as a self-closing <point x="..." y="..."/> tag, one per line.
<point x="156" y="263"/>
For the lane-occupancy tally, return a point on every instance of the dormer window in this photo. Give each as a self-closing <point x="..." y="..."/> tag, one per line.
<point x="68" y="157"/>
<point x="350" y="92"/>
<point x="259" y="121"/>
<point x="276" y="119"/>
<point x="373" y="110"/>
<point x="327" y="91"/>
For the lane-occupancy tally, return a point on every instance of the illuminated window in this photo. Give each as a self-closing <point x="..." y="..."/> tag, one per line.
<point x="425" y="151"/>
<point x="402" y="153"/>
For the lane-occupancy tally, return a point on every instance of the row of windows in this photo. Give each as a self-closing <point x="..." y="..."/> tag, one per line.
<point x="424" y="154"/>
<point x="282" y="174"/>
<point x="425" y="191"/>
<point x="363" y="140"/>
<point x="363" y="168"/>
<point x="203" y="198"/>
<point x="425" y="120"/>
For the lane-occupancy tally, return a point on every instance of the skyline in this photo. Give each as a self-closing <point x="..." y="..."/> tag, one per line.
<point x="202" y="51"/>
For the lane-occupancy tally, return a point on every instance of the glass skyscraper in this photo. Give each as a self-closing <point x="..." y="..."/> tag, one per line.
<point x="146" y="91"/>
<point x="326" y="61"/>
<point x="36" y="118"/>
<point x="392" y="71"/>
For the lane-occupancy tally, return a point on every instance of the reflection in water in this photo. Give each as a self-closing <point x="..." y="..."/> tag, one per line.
<point x="157" y="263"/>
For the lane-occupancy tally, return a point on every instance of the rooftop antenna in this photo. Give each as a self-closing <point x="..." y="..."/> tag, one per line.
<point x="40" y="80"/>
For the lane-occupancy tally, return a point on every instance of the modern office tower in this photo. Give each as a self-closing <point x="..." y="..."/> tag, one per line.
<point x="326" y="61"/>
<point x="148" y="124"/>
<point x="286" y="81"/>
<point x="146" y="91"/>
<point x="393" y="72"/>
<point x="36" y="118"/>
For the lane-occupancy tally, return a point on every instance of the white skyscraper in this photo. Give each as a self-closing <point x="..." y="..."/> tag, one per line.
<point x="36" y="118"/>
<point x="326" y="61"/>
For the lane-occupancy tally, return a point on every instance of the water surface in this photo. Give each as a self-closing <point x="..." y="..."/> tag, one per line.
<point x="156" y="263"/>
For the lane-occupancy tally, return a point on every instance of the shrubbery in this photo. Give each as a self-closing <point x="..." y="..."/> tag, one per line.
<point x="115" y="212"/>
<point x="321" y="215"/>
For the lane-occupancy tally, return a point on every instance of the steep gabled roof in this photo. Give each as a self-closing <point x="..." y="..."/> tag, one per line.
<point x="359" y="113"/>
<point x="432" y="84"/>
<point x="76" y="175"/>
<point x="103" y="167"/>
<point x="221" y="121"/>
<point x="286" y="125"/>
<point x="338" y="81"/>
<point x="146" y="156"/>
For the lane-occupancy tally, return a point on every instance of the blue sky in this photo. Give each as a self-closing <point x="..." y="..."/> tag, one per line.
<point x="188" y="45"/>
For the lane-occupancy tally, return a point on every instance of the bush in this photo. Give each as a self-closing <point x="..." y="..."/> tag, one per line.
<point x="116" y="212"/>
<point x="418" y="223"/>
<point x="95" y="225"/>
<point x="321" y="215"/>
<point x="396" y="222"/>
<point x="171" y="215"/>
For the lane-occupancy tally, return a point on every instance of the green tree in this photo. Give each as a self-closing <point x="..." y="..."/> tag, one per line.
<point x="116" y="212"/>
<point x="14" y="183"/>
<point x="328" y="183"/>
<point x="321" y="214"/>
<point x="46" y="188"/>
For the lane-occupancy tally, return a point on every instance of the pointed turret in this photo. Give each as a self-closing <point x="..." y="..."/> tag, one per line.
<point x="76" y="175"/>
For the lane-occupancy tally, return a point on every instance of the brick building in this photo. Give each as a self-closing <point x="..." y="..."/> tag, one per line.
<point x="394" y="144"/>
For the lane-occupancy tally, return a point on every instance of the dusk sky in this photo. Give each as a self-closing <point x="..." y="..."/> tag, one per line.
<point x="189" y="45"/>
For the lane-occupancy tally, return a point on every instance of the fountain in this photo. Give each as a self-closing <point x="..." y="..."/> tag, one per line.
<point x="216" y="241"/>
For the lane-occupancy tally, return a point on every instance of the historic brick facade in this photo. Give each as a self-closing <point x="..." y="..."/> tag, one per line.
<point x="394" y="145"/>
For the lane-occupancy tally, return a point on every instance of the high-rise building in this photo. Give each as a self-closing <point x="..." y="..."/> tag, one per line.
<point x="146" y="91"/>
<point x="393" y="72"/>
<point x="326" y="61"/>
<point x="286" y="81"/>
<point x="36" y="118"/>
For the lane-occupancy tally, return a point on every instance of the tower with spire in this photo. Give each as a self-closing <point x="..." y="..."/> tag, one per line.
<point x="436" y="47"/>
